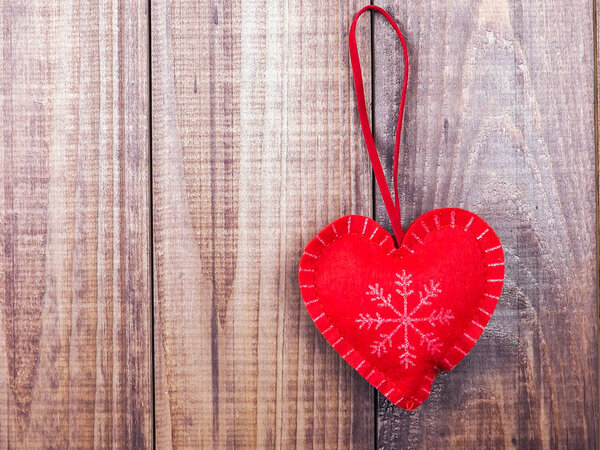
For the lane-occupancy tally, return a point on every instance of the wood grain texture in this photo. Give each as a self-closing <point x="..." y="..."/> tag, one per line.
<point x="500" y="121"/>
<point x="75" y="361"/>
<point x="256" y="147"/>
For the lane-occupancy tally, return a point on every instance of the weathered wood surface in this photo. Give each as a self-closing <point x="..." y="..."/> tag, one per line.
<point x="75" y="360"/>
<point x="256" y="147"/>
<point x="500" y="120"/>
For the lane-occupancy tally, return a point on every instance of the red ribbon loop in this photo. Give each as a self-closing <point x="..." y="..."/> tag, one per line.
<point x="392" y="207"/>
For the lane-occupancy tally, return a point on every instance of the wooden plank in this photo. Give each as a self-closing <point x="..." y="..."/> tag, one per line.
<point x="75" y="360"/>
<point x="500" y="121"/>
<point x="256" y="146"/>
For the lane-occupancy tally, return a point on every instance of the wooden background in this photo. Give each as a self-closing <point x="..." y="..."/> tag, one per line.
<point x="164" y="163"/>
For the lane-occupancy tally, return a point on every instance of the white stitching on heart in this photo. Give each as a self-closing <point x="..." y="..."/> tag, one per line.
<point x="334" y="230"/>
<point x="469" y="224"/>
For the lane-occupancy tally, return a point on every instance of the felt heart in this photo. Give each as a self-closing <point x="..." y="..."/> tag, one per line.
<point x="401" y="315"/>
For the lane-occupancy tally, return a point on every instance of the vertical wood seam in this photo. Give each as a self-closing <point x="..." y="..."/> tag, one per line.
<point x="373" y="194"/>
<point x="151" y="229"/>
<point x="595" y="56"/>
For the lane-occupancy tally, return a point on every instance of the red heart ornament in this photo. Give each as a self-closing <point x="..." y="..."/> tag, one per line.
<point x="401" y="315"/>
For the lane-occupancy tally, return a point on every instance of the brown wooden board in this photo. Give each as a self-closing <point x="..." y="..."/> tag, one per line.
<point x="75" y="360"/>
<point x="500" y="120"/>
<point x="256" y="147"/>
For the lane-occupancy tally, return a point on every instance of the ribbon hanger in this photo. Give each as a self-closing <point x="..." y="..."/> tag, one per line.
<point x="392" y="206"/>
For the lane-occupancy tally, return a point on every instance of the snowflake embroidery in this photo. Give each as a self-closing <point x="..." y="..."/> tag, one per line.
<point x="405" y="318"/>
